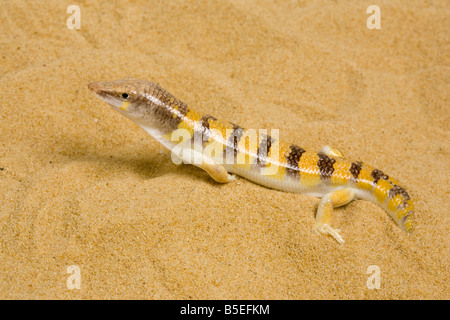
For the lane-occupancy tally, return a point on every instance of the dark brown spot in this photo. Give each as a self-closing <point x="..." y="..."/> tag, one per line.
<point x="204" y="122"/>
<point x="325" y="164"/>
<point x="355" y="169"/>
<point x="377" y="175"/>
<point x="395" y="190"/>
<point x="233" y="140"/>
<point x="263" y="150"/>
<point x="293" y="158"/>
<point x="406" y="216"/>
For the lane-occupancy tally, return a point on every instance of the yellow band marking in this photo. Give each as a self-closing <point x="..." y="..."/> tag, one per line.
<point x="125" y="106"/>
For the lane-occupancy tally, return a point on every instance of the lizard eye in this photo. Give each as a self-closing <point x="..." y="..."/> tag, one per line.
<point x="125" y="95"/>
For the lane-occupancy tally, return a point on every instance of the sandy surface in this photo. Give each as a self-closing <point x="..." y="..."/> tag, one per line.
<point x="82" y="185"/>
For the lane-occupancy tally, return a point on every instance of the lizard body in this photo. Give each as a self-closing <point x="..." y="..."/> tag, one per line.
<point x="256" y="156"/>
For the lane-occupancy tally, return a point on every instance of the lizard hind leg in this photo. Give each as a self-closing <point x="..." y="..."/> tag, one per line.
<point x="331" y="152"/>
<point x="216" y="171"/>
<point x="325" y="210"/>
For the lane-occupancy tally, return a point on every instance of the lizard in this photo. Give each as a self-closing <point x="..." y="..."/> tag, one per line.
<point x="270" y="162"/>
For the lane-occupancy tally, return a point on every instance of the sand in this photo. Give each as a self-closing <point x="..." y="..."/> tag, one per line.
<point x="83" y="186"/>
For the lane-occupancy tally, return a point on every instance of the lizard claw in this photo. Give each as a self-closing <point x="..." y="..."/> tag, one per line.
<point x="326" y="229"/>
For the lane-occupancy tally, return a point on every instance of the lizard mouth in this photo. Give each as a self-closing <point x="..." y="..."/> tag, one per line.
<point x="102" y="92"/>
<point x="94" y="86"/>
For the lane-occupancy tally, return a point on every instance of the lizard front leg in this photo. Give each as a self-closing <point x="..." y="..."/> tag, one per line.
<point x="214" y="169"/>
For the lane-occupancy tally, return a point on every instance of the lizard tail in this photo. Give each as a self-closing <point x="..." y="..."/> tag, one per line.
<point x="385" y="191"/>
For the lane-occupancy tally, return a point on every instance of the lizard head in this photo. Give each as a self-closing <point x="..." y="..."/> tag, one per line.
<point x="120" y="94"/>
<point x="144" y="102"/>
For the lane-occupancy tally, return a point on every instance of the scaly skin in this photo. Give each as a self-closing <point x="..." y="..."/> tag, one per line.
<point x="256" y="156"/>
